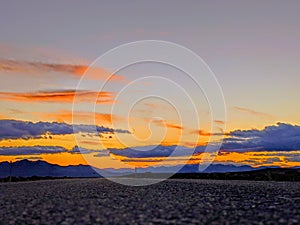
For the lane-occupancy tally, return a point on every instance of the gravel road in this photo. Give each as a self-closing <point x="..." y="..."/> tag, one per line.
<point x="99" y="201"/>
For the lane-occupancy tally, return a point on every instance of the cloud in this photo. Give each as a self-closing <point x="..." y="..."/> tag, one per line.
<point x="175" y="126"/>
<point x="163" y="123"/>
<point x="63" y="96"/>
<point x="156" y="151"/>
<point x="279" y="137"/>
<point x="66" y="116"/>
<point x="35" y="67"/>
<point x="32" y="150"/>
<point x="14" y="129"/>
<point x="295" y="157"/>
<point x="37" y="150"/>
<point x="30" y="158"/>
<point x="102" y="154"/>
<point x="201" y="133"/>
<point x="252" y="112"/>
<point x="205" y="133"/>
<point x="221" y="122"/>
<point x="77" y="150"/>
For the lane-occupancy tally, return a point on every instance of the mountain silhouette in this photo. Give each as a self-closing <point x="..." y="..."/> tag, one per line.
<point x="27" y="168"/>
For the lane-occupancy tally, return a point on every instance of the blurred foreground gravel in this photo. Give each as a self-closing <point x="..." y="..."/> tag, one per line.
<point x="99" y="201"/>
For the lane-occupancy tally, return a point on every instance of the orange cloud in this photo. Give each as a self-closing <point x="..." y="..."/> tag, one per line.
<point x="163" y="123"/>
<point x="221" y="122"/>
<point x="252" y="112"/>
<point x="66" y="116"/>
<point x="62" y="96"/>
<point x="202" y="133"/>
<point x="169" y="125"/>
<point x="207" y="134"/>
<point x="40" y="67"/>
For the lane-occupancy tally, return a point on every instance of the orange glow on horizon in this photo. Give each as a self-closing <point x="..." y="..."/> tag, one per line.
<point x="67" y="158"/>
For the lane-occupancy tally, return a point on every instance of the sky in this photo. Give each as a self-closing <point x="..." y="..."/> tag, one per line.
<point x="146" y="109"/>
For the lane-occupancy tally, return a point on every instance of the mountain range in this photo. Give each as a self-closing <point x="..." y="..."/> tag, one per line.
<point x="27" y="168"/>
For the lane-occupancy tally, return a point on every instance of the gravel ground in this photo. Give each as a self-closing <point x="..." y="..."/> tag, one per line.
<point x="99" y="201"/>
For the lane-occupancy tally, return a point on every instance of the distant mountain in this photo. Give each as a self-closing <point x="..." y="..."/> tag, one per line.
<point x="26" y="168"/>
<point x="194" y="168"/>
<point x="216" y="168"/>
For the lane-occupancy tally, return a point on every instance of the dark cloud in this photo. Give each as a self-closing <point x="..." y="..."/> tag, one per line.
<point x="279" y="137"/>
<point x="77" y="150"/>
<point x="36" y="150"/>
<point x="24" y="129"/>
<point x="293" y="157"/>
<point x="102" y="153"/>
<point x="32" y="150"/>
<point x="156" y="151"/>
<point x="29" y="158"/>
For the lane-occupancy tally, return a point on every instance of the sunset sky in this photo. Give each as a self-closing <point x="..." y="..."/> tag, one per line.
<point x="252" y="47"/>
